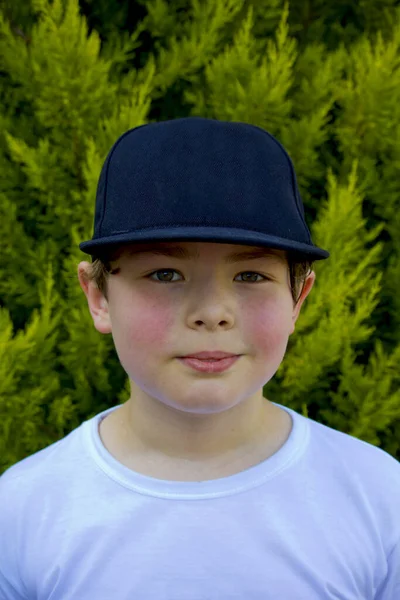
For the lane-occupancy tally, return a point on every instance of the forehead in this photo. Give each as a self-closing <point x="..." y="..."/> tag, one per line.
<point x="194" y="251"/>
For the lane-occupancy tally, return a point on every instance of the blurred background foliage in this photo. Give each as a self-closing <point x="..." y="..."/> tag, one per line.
<point x="323" y="77"/>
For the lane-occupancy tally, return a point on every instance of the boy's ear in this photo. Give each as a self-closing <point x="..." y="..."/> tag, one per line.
<point x="98" y="305"/>
<point x="309" y="282"/>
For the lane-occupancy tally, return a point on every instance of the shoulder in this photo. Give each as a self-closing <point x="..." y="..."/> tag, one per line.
<point x="29" y="474"/>
<point x="360" y="468"/>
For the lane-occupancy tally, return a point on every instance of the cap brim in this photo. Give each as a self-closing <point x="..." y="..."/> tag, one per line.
<point x="204" y="234"/>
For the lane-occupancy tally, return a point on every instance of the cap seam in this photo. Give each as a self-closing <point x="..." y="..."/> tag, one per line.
<point x="293" y="174"/>
<point x="110" y="155"/>
<point x="151" y="227"/>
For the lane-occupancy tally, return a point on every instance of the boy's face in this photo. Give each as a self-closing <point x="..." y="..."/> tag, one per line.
<point x="204" y="303"/>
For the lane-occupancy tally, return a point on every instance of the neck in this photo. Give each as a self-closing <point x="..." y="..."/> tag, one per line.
<point x="152" y="430"/>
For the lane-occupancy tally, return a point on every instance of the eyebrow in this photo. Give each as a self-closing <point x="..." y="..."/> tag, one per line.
<point x="184" y="254"/>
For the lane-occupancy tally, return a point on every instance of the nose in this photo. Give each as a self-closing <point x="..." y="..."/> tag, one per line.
<point x="213" y="308"/>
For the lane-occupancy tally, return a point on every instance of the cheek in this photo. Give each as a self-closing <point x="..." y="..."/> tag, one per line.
<point x="267" y="323"/>
<point x="151" y="324"/>
<point x="143" y="321"/>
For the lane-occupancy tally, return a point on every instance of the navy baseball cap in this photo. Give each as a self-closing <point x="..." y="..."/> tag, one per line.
<point x="199" y="179"/>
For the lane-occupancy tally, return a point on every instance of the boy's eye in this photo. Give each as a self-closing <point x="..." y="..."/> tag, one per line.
<point x="250" y="279"/>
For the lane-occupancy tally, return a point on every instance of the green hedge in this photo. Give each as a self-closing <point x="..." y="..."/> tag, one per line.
<point x="328" y="91"/>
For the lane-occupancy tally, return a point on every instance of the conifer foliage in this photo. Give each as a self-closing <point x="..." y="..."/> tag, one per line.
<point x="326" y="83"/>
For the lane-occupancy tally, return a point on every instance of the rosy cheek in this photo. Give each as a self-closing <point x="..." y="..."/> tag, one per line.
<point x="147" y="322"/>
<point x="265" y="324"/>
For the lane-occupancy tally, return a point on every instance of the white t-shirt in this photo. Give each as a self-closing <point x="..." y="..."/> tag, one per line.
<point x="318" y="520"/>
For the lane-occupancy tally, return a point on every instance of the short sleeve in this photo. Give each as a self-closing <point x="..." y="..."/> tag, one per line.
<point x="7" y="590"/>
<point x="11" y="586"/>
<point x="389" y="589"/>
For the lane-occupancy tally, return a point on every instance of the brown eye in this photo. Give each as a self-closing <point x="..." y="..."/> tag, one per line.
<point x="166" y="276"/>
<point x="252" y="275"/>
<point x="163" y="272"/>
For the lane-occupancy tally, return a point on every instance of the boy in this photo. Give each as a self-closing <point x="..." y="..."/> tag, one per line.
<point x="198" y="487"/>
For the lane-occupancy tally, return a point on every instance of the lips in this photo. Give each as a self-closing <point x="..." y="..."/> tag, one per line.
<point x="210" y="355"/>
<point x="211" y="366"/>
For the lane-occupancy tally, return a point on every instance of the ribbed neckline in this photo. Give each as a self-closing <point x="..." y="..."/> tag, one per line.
<point x="250" y="478"/>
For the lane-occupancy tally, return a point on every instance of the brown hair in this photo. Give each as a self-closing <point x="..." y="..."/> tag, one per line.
<point x="101" y="270"/>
